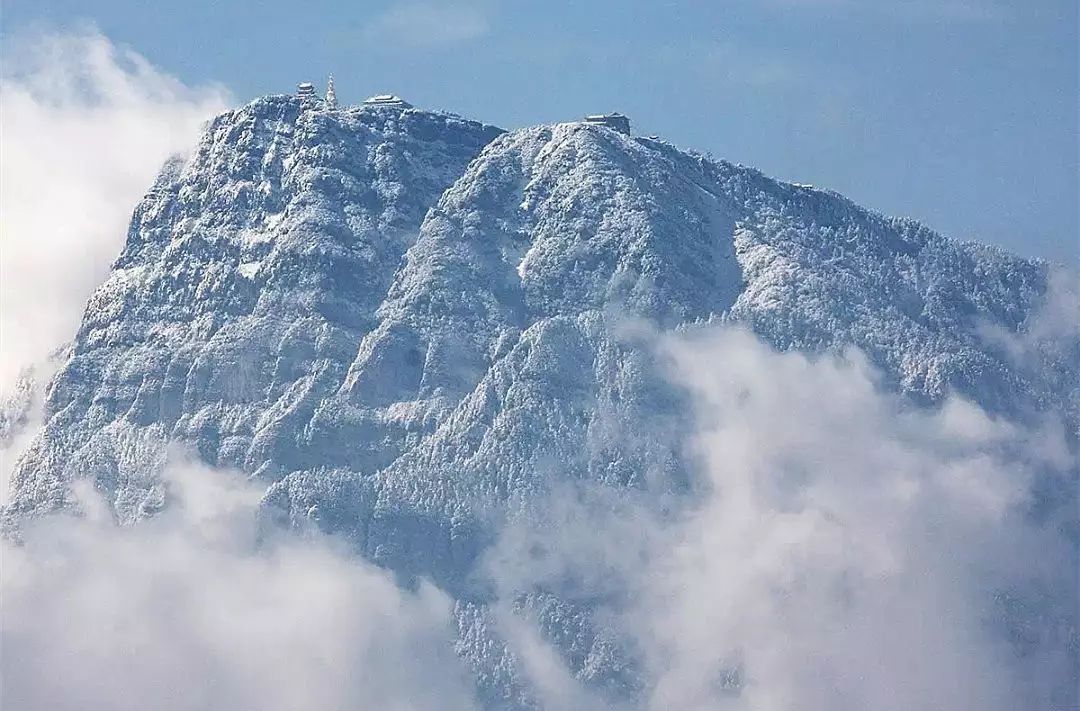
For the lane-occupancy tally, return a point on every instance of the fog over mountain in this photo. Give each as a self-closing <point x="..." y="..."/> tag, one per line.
<point x="382" y="407"/>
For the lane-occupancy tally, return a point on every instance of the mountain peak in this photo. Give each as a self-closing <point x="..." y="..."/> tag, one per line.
<point x="405" y="323"/>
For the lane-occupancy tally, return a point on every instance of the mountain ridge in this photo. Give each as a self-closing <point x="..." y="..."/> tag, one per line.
<point x="406" y="324"/>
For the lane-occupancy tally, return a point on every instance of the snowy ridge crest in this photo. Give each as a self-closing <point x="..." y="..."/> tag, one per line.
<point x="410" y="326"/>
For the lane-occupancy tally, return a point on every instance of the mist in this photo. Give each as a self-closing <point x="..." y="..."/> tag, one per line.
<point x="86" y="126"/>
<point x="841" y="549"/>
<point x="202" y="607"/>
<point x="837" y="549"/>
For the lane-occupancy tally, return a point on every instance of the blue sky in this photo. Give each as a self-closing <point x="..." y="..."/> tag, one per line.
<point x="962" y="113"/>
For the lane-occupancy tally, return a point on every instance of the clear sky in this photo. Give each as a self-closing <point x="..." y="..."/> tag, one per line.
<point x="962" y="113"/>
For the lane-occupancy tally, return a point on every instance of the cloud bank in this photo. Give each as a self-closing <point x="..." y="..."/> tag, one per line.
<point x="200" y="608"/>
<point x="837" y="550"/>
<point x="840" y="551"/>
<point x="85" y="127"/>
<point x="852" y="553"/>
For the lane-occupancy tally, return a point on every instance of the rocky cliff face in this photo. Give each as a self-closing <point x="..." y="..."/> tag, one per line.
<point x="410" y="325"/>
<point x="251" y="272"/>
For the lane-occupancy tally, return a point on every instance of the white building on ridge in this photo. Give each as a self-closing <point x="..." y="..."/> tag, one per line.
<point x="613" y="120"/>
<point x="387" y="100"/>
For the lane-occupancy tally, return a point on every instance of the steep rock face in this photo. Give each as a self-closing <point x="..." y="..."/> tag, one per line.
<point x="553" y="235"/>
<point x="511" y="324"/>
<point x="413" y="328"/>
<point x="251" y="271"/>
<point x="523" y="304"/>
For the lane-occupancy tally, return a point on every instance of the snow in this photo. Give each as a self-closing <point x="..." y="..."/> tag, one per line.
<point x="407" y="320"/>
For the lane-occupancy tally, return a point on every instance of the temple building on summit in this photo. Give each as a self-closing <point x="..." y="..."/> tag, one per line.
<point x="387" y="100"/>
<point x="613" y="120"/>
<point x="308" y="96"/>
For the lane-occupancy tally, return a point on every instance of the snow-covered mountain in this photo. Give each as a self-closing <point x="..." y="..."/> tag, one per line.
<point x="410" y="325"/>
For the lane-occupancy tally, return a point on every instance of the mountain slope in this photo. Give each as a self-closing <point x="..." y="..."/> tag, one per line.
<point x="414" y="327"/>
<point x="530" y="267"/>
<point x="250" y="272"/>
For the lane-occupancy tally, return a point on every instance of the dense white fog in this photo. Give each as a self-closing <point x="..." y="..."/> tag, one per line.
<point x="194" y="609"/>
<point x="845" y="552"/>
<point x="86" y="126"/>
<point x="848" y="551"/>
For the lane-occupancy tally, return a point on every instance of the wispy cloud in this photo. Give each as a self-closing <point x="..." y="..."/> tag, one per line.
<point x="965" y="11"/>
<point x="427" y="25"/>
<point x="753" y="67"/>
<point x="841" y="552"/>
<point x="85" y="127"/>
<point x="197" y="608"/>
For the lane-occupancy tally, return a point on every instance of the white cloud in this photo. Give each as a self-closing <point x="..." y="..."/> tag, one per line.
<point x="85" y="127"/>
<point x="200" y="608"/>
<point x="839" y="551"/>
<point x="849" y="554"/>
<point x="425" y="25"/>
<point x="842" y="551"/>
<point x="1051" y="332"/>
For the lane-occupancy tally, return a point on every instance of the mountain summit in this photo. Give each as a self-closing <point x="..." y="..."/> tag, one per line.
<point x="406" y="323"/>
